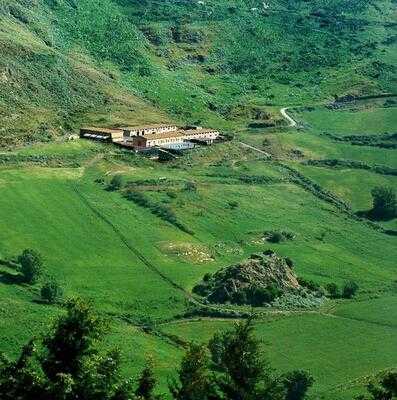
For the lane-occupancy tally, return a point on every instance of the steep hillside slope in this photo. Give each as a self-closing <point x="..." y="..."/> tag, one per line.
<point x="65" y="62"/>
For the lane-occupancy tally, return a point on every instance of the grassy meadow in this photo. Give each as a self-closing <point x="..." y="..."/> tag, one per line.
<point x="65" y="64"/>
<point x="139" y="269"/>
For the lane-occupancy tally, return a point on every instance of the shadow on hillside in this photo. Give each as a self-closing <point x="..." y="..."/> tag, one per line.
<point x="369" y="214"/>
<point x="10" y="278"/>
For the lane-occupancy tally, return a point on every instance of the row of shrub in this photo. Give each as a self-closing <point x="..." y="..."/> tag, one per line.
<point x="313" y="187"/>
<point x="248" y="179"/>
<point x="160" y="210"/>
<point x="154" y="182"/>
<point x="386" y="140"/>
<point x="214" y="312"/>
<point x="331" y="290"/>
<point x="117" y="182"/>
<point x="279" y="236"/>
<point x="257" y="179"/>
<point x="335" y="163"/>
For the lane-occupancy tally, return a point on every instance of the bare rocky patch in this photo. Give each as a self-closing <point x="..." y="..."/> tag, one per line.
<point x="188" y="251"/>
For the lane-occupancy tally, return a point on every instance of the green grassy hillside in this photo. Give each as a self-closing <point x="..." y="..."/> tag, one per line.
<point x="67" y="63"/>
<point x="137" y="268"/>
<point x="226" y="64"/>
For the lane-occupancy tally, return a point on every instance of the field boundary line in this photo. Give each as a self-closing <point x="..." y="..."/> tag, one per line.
<point x="385" y="325"/>
<point x="255" y="149"/>
<point x="131" y="248"/>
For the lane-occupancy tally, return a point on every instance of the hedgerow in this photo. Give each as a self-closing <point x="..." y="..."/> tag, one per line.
<point x="160" y="210"/>
<point x="352" y="164"/>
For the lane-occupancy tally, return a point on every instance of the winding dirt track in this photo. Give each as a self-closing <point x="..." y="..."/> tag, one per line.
<point x="292" y="122"/>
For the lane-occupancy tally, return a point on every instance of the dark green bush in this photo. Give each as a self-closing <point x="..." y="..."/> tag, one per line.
<point x="207" y="277"/>
<point x="116" y="183"/>
<point x="384" y="203"/>
<point x="349" y="289"/>
<point x="233" y="204"/>
<point x="333" y="290"/>
<point x="258" y="296"/>
<point x="100" y="181"/>
<point x="309" y="284"/>
<point x="190" y="186"/>
<point x="279" y="236"/>
<point x="31" y="265"/>
<point x="51" y="291"/>
<point x="255" y="296"/>
<point x="289" y="262"/>
<point x="275" y="237"/>
<point x="239" y="297"/>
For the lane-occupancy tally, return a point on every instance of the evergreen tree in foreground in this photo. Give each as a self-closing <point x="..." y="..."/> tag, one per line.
<point x="147" y="384"/>
<point x="70" y="366"/>
<point x="236" y="370"/>
<point x="195" y="382"/>
<point x="384" y="389"/>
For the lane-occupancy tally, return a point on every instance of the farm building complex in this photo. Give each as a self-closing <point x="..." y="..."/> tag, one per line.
<point x="165" y="136"/>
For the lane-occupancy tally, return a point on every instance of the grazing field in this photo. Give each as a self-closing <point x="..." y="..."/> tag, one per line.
<point x="137" y="249"/>
<point x="339" y="351"/>
<point x="353" y="186"/>
<point x="139" y="268"/>
<point x="365" y="119"/>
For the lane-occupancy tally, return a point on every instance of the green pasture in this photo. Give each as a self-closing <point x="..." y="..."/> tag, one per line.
<point x="373" y="120"/>
<point x="353" y="186"/>
<point x="340" y="352"/>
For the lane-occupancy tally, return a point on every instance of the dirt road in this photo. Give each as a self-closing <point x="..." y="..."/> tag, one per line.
<point x="292" y="122"/>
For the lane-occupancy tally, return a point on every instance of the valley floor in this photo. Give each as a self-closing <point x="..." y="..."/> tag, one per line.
<point x="139" y="269"/>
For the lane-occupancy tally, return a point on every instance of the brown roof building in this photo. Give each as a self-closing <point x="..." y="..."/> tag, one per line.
<point x="167" y="139"/>
<point x="144" y="137"/>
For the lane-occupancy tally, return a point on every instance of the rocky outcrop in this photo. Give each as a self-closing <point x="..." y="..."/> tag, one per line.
<point x="256" y="281"/>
